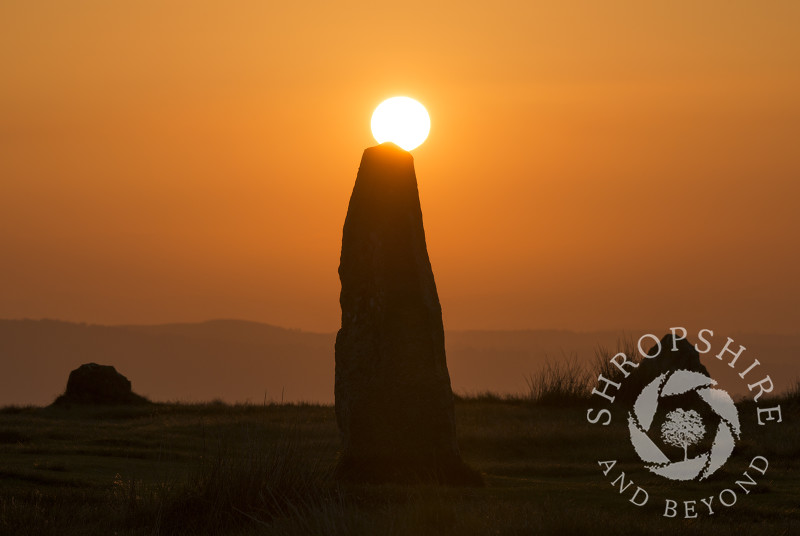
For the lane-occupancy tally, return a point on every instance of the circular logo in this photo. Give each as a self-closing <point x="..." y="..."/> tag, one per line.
<point x="683" y="428"/>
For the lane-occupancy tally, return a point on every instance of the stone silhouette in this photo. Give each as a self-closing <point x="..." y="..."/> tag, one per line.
<point x="667" y="360"/>
<point x="394" y="403"/>
<point x="686" y="357"/>
<point x="98" y="384"/>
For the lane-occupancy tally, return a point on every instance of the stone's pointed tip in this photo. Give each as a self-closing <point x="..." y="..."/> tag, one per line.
<point x="388" y="149"/>
<point x="390" y="145"/>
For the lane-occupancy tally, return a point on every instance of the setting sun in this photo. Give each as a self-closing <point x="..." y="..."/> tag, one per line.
<point x="401" y="120"/>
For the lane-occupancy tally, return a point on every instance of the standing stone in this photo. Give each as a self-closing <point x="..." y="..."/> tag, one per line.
<point x="394" y="404"/>
<point x="675" y="354"/>
<point x="683" y="357"/>
<point x="98" y="384"/>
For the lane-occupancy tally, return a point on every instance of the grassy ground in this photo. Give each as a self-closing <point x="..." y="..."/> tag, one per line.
<point x="217" y="469"/>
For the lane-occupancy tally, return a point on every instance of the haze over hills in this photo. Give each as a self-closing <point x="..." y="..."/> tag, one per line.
<point x="239" y="361"/>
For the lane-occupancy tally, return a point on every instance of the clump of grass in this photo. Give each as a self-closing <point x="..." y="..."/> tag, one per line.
<point x="563" y="381"/>
<point x="602" y="365"/>
<point x="792" y="395"/>
<point x="603" y="356"/>
<point x="488" y="397"/>
<point x="570" y="381"/>
<point x="254" y="479"/>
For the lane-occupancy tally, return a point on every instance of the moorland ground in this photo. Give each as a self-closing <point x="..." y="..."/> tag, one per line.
<point x="266" y="469"/>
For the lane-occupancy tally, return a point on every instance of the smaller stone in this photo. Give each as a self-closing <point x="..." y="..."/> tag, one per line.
<point x="98" y="384"/>
<point x="686" y="357"/>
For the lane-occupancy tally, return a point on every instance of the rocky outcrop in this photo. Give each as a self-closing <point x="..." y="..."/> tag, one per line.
<point x="98" y="384"/>
<point x="684" y="357"/>
<point x="394" y="403"/>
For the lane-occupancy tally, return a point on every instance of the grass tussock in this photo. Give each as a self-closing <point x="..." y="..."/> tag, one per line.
<point x="569" y="381"/>
<point x="488" y="397"/>
<point x="603" y="355"/>
<point x="559" y="382"/>
<point x="792" y="395"/>
<point x="252" y="478"/>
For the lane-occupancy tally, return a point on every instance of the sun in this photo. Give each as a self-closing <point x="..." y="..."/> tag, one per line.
<point x="402" y="121"/>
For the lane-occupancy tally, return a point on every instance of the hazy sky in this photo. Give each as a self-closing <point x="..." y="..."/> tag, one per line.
<point x="591" y="165"/>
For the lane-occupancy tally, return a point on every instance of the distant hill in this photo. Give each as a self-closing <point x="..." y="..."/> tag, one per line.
<point x="237" y="361"/>
<point x="227" y="359"/>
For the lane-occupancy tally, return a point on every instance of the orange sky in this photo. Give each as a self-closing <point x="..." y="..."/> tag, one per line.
<point x="590" y="165"/>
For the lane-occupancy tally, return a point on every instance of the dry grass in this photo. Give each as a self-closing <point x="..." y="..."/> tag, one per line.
<point x="570" y="381"/>
<point x="792" y="395"/>
<point x="251" y="477"/>
<point x="562" y="381"/>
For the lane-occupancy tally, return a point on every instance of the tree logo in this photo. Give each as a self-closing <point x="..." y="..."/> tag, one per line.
<point x="683" y="428"/>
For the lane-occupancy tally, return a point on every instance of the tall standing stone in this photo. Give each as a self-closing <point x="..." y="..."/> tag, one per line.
<point x="394" y="403"/>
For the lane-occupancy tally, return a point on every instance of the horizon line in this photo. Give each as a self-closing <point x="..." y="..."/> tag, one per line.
<point x="316" y="332"/>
